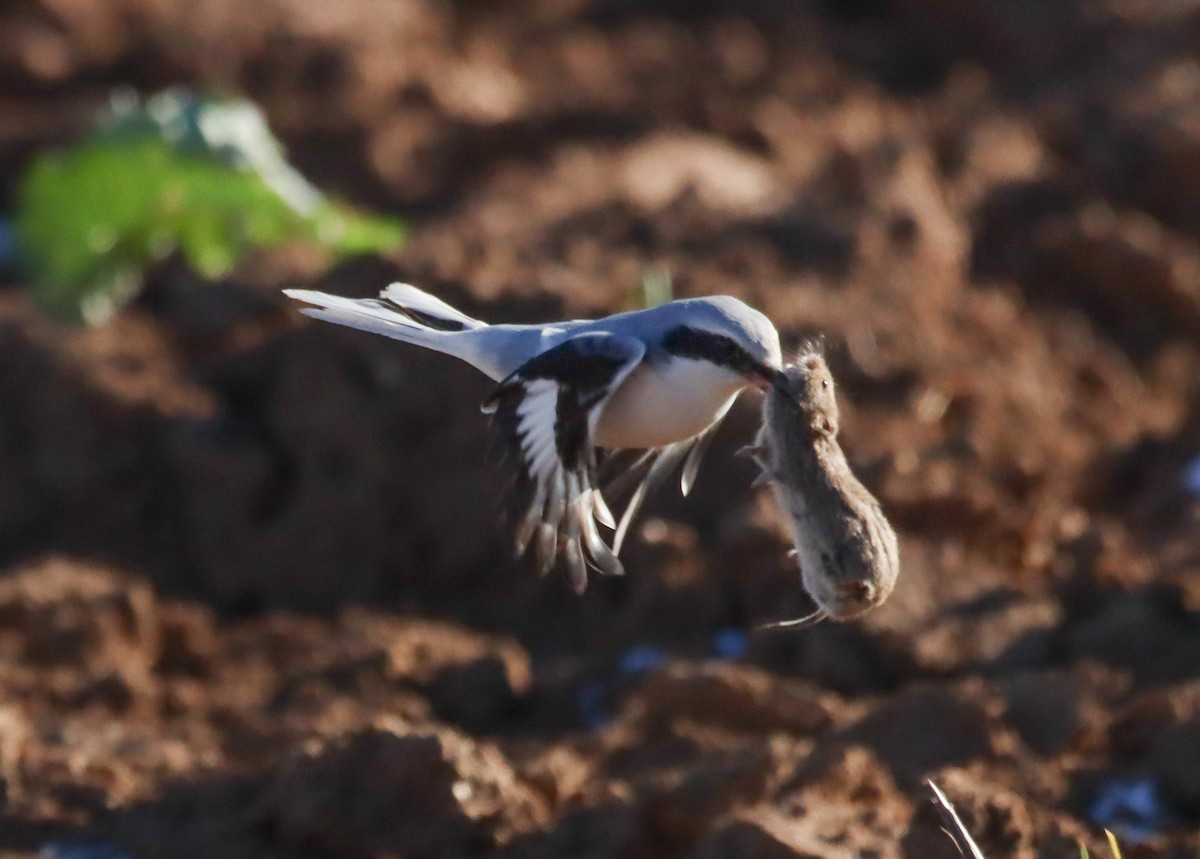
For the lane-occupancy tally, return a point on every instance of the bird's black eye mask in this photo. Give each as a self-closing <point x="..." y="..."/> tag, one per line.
<point x="685" y="342"/>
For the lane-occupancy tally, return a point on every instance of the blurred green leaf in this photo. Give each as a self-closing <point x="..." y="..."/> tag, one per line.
<point x="1112" y="843"/>
<point x="170" y="177"/>
<point x="658" y="287"/>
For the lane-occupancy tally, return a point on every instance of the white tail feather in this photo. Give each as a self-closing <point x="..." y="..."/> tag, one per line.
<point x="408" y="297"/>
<point x="376" y="317"/>
<point x="366" y="314"/>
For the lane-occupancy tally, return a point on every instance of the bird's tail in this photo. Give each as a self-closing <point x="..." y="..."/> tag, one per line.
<point x="426" y="309"/>
<point x="401" y="312"/>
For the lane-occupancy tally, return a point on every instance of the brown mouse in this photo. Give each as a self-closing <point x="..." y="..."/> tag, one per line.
<point x="848" y="554"/>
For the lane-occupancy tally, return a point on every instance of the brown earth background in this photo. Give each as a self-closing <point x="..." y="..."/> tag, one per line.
<point x="257" y="601"/>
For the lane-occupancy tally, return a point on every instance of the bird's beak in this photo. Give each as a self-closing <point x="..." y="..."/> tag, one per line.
<point x="765" y="376"/>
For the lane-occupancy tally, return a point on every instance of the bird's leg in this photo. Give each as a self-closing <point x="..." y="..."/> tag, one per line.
<point x="547" y="547"/>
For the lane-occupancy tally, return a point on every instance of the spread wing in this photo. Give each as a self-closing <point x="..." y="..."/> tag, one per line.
<point x="547" y="412"/>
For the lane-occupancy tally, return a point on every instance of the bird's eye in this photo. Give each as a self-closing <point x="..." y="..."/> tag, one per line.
<point x="824" y="383"/>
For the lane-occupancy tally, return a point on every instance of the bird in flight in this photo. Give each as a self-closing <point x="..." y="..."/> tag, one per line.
<point x="658" y="380"/>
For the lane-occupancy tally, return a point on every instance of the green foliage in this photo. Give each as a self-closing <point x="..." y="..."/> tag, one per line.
<point x="1112" y="843"/>
<point x="178" y="174"/>
<point x="657" y="286"/>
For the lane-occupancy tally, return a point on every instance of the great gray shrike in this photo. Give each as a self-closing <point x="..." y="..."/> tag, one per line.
<point x="659" y="380"/>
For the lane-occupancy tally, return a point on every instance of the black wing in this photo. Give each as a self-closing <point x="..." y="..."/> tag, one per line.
<point x="547" y="412"/>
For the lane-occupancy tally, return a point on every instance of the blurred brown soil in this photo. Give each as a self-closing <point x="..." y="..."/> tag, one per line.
<point x="257" y="598"/>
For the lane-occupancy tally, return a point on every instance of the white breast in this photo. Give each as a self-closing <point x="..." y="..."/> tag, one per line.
<point x="662" y="403"/>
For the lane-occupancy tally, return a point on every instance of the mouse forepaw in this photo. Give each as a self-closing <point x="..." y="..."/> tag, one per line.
<point x="764" y="477"/>
<point x="753" y="451"/>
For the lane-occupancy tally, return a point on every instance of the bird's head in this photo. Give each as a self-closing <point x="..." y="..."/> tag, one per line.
<point x="730" y="334"/>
